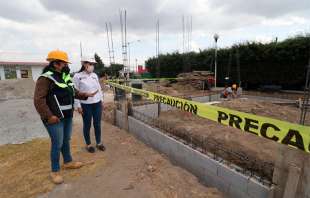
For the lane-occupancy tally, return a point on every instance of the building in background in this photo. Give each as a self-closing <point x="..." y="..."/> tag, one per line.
<point x="17" y="70"/>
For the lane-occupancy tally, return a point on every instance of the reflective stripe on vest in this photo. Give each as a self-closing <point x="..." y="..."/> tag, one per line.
<point x="66" y="78"/>
<point x="65" y="107"/>
<point x="49" y="76"/>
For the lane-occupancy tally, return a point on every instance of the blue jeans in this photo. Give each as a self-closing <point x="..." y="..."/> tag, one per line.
<point x="92" y="111"/>
<point x="60" y="135"/>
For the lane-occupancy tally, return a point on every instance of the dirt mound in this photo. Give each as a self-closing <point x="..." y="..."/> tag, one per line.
<point x="267" y="109"/>
<point x="16" y="89"/>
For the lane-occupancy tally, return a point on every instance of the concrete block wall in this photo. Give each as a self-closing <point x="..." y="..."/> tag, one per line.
<point x="208" y="170"/>
<point x="209" y="98"/>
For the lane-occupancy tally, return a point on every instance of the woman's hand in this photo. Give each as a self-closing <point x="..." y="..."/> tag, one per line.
<point x="53" y="120"/>
<point x="80" y="110"/>
<point x="91" y="94"/>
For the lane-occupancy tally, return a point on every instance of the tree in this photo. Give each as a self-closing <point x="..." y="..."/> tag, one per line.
<point x="100" y="70"/>
<point x="115" y="68"/>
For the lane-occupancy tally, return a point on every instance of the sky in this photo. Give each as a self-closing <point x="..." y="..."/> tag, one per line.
<point x="30" y="29"/>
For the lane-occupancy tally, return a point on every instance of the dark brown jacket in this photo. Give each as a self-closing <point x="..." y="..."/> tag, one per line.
<point x="40" y="94"/>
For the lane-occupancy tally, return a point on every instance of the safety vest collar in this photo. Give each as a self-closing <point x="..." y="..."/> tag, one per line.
<point x="66" y="78"/>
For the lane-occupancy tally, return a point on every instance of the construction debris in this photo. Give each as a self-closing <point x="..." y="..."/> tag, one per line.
<point x="200" y="80"/>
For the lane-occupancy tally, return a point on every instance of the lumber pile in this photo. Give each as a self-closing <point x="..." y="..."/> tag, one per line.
<point x="197" y="79"/>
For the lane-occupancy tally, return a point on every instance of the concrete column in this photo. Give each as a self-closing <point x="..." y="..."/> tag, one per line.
<point x="291" y="173"/>
<point x="2" y="76"/>
<point x="18" y="74"/>
<point x="124" y="106"/>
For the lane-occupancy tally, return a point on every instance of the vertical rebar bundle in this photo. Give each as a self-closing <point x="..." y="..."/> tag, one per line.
<point x="112" y="44"/>
<point x="123" y="22"/>
<point x="157" y="50"/>
<point x="187" y="28"/>
<point x="108" y="39"/>
<point x="305" y="101"/>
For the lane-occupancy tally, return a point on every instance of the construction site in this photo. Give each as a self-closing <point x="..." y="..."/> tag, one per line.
<point x="155" y="149"/>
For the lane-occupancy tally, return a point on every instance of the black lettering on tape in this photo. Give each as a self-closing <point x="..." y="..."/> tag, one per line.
<point x="221" y="116"/>
<point x="235" y="120"/>
<point x="289" y="137"/>
<point x="186" y="107"/>
<point x="264" y="129"/>
<point x="193" y="109"/>
<point x="250" y="124"/>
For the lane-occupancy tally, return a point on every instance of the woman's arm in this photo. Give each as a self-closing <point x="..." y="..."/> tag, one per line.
<point x="40" y="94"/>
<point x="99" y="89"/>
<point x="78" y="95"/>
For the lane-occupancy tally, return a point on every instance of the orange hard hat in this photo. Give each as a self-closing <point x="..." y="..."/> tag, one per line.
<point x="57" y="55"/>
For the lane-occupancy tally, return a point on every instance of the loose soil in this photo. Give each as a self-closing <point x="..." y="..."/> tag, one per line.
<point x="258" y="152"/>
<point x="128" y="168"/>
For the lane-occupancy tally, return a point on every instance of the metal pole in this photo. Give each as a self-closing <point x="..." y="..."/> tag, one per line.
<point x="216" y="37"/>
<point x="215" y="64"/>
<point x="128" y="54"/>
<point x="81" y="51"/>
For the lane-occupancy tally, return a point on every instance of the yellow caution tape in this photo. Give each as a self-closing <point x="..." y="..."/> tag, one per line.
<point x="131" y="79"/>
<point x="294" y="135"/>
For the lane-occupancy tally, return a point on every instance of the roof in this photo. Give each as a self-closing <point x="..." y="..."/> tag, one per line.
<point x="13" y="63"/>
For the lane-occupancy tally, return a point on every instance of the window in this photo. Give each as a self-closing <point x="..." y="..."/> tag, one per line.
<point x="10" y="72"/>
<point x="25" y="73"/>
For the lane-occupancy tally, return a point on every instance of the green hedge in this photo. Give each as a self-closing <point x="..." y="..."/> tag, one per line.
<point x="279" y="63"/>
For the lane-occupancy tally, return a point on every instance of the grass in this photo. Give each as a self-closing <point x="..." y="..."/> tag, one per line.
<point x="25" y="168"/>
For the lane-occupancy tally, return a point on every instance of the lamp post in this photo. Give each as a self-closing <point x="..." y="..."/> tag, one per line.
<point x="128" y="44"/>
<point x="216" y="37"/>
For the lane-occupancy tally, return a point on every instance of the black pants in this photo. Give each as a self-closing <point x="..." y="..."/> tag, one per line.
<point x="92" y="111"/>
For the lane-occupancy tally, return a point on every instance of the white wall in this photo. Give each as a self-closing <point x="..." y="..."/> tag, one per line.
<point x="36" y="72"/>
<point x="2" y="76"/>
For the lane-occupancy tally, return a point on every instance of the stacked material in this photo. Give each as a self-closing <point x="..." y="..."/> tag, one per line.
<point x="197" y="79"/>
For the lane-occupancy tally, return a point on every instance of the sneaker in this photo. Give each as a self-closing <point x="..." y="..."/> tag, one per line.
<point x="56" y="178"/>
<point x="100" y="147"/>
<point x="90" y="149"/>
<point x="73" y="165"/>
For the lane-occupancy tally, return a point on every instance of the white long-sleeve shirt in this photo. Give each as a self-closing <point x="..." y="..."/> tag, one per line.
<point x="87" y="83"/>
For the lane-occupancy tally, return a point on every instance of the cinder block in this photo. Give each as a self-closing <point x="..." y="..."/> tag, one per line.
<point x="257" y="190"/>
<point x="236" y="193"/>
<point x="231" y="176"/>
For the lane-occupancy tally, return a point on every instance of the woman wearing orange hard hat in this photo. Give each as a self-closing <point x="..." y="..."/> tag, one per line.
<point x="54" y="98"/>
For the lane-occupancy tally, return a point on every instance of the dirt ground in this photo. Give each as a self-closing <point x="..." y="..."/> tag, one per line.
<point x="231" y="139"/>
<point x="175" y="89"/>
<point x="16" y="89"/>
<point x="127" y="169"/>
<point x="264" y="108"/>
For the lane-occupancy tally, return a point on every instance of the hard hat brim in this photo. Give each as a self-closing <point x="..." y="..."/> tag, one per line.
<point x="50" y="60"/>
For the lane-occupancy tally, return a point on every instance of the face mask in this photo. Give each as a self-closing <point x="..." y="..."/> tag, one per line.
<point x="65" y="70"/>
<point x="90" y="69"/>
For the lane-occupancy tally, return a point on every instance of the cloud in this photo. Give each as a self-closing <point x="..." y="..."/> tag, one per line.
<point x="25" y="11"/>
<point x="37" y="26"/>
<point x="264" y="8"/>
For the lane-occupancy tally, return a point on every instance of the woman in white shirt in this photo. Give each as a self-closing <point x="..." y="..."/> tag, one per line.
<point x="87" y="81"/>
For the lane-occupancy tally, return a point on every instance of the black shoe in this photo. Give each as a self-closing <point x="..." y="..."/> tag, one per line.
<point x="100" y="147"/>
<point x="90" y="149"/>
